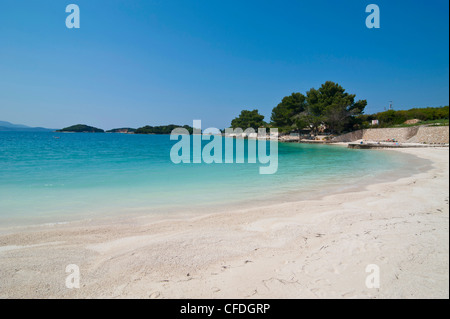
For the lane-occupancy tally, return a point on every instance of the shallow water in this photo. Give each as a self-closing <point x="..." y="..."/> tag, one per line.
<point x="74" y="176"/>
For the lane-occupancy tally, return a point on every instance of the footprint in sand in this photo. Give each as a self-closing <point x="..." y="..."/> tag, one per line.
<point x="382" y="259"/>
<point x="155" y="295"/>
<point x="349" y="294"/>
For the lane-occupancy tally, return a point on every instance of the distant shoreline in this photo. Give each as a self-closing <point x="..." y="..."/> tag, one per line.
<point x="435" y="137"/>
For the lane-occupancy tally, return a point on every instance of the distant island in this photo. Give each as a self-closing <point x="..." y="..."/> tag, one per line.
<point x="81" y="128"/>
<point x="159" y="130"/>
<point x="10" y="127"/>
<point x="126" y="130"/>
<point x="166" y="129"/>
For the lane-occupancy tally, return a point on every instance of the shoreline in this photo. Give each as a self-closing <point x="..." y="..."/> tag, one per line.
<point x="174" y="213"/>
<point x="279" y="251"/>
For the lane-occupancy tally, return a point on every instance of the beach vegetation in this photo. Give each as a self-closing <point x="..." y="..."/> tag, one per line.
<point x="249" y="119"/>
<point x="399" y="118"/>
<point x="284" y="114"/>
<point x="328" y="108"/>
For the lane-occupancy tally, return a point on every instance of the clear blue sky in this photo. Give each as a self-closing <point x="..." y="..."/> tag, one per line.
<point x="157" y="62"/>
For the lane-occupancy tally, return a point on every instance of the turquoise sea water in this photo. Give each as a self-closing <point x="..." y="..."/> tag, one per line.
<point x="54" y="177"/>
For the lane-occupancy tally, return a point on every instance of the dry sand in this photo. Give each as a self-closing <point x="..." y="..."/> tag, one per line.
<point x="310" y="249"/>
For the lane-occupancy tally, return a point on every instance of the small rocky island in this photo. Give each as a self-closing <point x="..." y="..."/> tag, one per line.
<point x="165" y="129"/>
<point x="124" y="130"/>
<point x="162" y="130"/>
<point x="81" y="128"/>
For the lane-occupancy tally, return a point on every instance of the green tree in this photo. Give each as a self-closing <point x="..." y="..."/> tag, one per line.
<point x="391" y="117"/>
<point x="248" y="119"/>
<point x="307" y="120"/>
<point x="284" y="114"/>
<point x="333" y="106"/>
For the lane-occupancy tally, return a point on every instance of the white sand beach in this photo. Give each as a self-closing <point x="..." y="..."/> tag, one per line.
<point x="311" y="249"/>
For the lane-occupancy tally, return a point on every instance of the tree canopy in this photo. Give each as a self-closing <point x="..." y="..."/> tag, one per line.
<point x="392" y="118"/>
<point x="333" y="109"/>
<point x="329" y="106"/>
<point x="249" y="119"/>
<point x="283" y="115"/>
<point x="333" y="106"/>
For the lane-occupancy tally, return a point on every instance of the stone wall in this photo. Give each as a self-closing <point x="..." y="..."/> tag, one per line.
<point x="413" y="134"/>
<point x="349" y="137"/>
<point x="401" y="134"/>
<point x="431" y="135"/>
